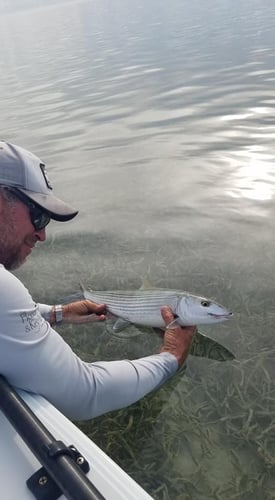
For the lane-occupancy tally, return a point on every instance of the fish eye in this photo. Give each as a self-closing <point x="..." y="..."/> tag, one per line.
<point x="205" y="303"/>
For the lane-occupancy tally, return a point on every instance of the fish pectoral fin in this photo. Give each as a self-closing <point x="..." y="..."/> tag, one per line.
<point x="121" y="324"/>
<point x="128" y="333"/>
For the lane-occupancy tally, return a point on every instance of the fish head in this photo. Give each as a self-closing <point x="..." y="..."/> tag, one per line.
<point x="193" y="310"/>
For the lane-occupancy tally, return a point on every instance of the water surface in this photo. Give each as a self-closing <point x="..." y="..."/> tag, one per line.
<point x="156" y="119"/>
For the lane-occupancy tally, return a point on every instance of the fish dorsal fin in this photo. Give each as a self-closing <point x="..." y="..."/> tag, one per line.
<point x="146" y="285"/>
<point x="85" y="290"/>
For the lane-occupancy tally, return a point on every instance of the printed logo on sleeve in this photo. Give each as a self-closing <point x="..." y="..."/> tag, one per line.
<point x="32" y="321"/>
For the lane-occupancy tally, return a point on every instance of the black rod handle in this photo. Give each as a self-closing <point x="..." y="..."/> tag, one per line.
<point x="61" y="467"/>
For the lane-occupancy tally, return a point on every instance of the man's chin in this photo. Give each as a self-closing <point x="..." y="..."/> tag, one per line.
<point x="16" y="263"/>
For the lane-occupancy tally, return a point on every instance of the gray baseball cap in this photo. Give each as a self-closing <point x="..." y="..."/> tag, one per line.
<point x="24" y="171"/>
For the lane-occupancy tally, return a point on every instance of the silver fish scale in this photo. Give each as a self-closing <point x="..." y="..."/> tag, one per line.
<point x="134" y="305"/>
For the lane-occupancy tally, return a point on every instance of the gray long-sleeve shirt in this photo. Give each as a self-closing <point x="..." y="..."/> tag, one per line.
<point x="34" y="357"/>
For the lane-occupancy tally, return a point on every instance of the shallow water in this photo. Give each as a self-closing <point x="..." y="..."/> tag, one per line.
<point x="156" y="119"/>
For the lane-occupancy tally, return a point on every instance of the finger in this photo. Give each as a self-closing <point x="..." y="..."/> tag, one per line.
<point x="89" y="318"/>
<point x="169" y="318"/>
<point x="101" y="309"/>
<point x="92" y="318"/>
<point x="95" y="308"/>
<point x="167" y="314"/>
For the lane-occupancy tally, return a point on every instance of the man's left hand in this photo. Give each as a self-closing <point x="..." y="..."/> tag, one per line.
<point x="83" y="311"/>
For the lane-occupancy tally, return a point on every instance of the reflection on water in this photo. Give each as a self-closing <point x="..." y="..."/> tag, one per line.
<point x="255" y="178"/>
<point x="157" y="120"/>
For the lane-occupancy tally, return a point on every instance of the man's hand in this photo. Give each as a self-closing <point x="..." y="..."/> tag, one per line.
<point x="83" y="311"/>
<point x="177" y="339"/>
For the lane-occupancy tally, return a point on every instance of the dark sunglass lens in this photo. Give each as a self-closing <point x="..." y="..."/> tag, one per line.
<point x="39" y="219"/>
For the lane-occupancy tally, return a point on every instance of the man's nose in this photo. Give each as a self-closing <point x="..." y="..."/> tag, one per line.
<point x="41" y="235"/>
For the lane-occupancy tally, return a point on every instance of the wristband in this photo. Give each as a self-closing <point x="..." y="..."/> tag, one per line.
<point x="58" y="314"/>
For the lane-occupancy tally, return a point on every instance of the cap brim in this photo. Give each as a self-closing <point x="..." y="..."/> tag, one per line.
<point x="57" y="209"/>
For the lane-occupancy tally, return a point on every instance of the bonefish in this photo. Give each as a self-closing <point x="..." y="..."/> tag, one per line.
<point x="142" y="307"/>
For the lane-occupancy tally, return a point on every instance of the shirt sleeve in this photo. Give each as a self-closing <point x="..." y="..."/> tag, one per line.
<point x="45" y="311"/>
<point x="34" y="357"/>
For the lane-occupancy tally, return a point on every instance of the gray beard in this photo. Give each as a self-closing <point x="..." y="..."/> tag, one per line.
<point x="9" y="255"/>
<point x="9" y="252"/>
<point x="9" y="259"/>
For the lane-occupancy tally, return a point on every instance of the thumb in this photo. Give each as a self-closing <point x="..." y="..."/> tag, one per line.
<point x="167" y="315"/>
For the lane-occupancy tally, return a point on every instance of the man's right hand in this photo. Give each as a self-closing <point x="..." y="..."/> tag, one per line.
<point x="177" y="339"/>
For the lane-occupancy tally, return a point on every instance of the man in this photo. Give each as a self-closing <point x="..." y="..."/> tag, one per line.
<point x="33" y="356"/>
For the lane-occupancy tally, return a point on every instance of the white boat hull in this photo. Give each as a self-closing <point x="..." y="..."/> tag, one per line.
<point x="17" y="462"/>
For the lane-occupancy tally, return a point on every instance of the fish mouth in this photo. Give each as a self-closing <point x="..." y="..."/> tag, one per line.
<point x="221" y="316"/>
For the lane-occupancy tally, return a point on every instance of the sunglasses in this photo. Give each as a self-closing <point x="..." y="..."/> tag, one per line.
<point x="39" y="218"/>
